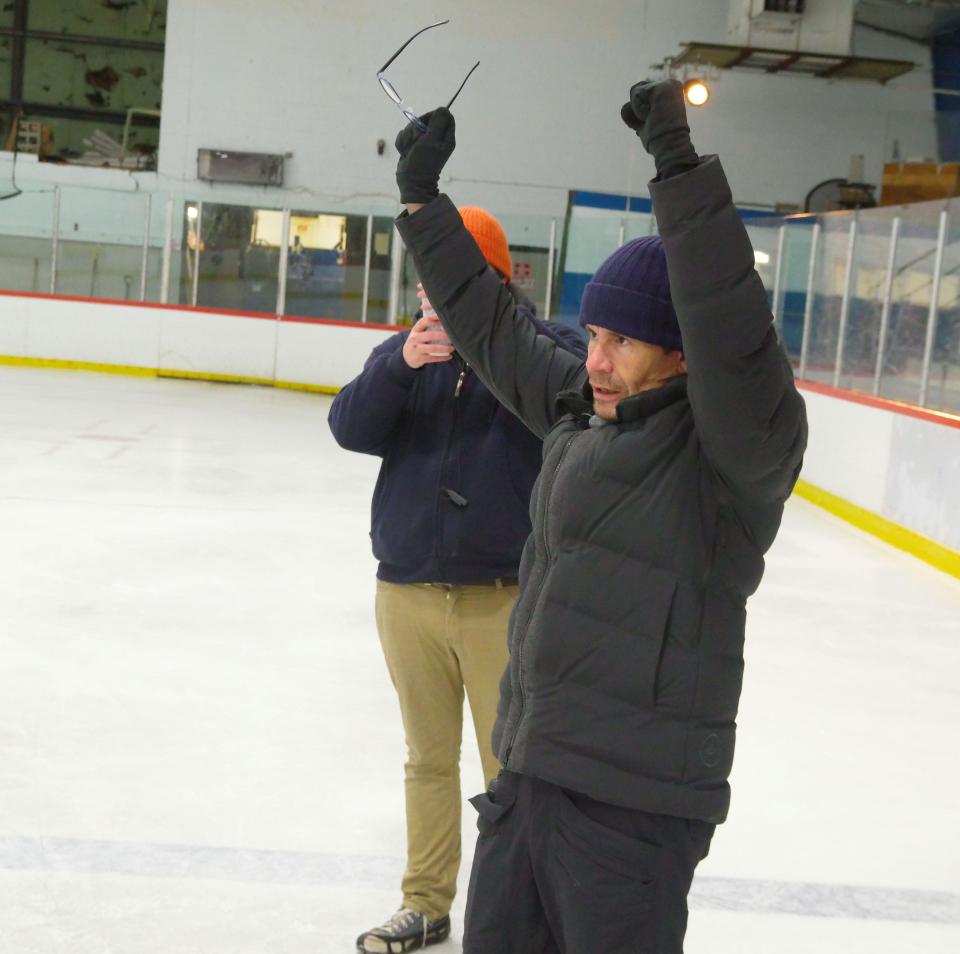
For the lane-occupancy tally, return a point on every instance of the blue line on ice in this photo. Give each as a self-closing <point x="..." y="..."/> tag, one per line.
<point x="301" y="867"/>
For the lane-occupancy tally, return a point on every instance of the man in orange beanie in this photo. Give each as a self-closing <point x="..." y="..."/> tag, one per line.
<point x="450" y="517"/>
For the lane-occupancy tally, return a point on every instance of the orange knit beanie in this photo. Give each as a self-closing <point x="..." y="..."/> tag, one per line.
<point x="489" y="235"/>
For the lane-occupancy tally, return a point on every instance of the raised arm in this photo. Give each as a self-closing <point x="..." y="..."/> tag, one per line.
<point x="525" y="370"/>
<point x="749" y="416"/>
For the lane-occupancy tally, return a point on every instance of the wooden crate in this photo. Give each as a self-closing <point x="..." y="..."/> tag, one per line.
<point x="31" y="137"/>
<point x="919" y="182"/>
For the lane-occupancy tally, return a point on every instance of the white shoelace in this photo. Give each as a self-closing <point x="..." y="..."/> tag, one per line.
<point x="403" y="919"/>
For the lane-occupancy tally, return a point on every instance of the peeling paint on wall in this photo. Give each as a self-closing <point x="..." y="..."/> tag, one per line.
<point x="75" y="72"/>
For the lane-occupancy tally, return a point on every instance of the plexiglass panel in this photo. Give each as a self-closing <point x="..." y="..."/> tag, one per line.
<point x="794" y="273"/>
<point x="100" y="251"/>
<point x="902" y="362"/>
<point x="829" y="277"/>
<point x="943" y="382"/>
<point x="26" y="227"/>
<point x="591" y="236"/>
<point x="867" y="285"/>
<point x="764" y="233"/>
<point x="227" y="255"/>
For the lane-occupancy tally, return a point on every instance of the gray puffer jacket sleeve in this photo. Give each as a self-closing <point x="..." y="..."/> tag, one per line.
<point x="525" y="370"/>
<point x="749" y="416"/>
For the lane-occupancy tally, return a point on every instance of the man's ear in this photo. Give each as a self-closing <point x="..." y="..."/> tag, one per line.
<point x="681" y="363"/>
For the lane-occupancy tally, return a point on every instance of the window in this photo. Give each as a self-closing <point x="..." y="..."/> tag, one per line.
<point x="84" y="80"/>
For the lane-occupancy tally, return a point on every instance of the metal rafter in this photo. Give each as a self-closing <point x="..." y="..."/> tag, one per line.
<point x="78" y="112"/>
<point x="22" y="33"/>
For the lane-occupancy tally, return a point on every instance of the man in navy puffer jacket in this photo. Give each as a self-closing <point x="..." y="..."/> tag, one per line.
<point x="450" y="518"/>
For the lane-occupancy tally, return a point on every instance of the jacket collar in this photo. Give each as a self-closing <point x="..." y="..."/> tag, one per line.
<point x="640" y="406"/>
<point x="630" y="410"/>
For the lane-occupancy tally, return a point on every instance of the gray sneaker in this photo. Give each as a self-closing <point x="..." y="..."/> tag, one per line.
<point x="407" y="930"/>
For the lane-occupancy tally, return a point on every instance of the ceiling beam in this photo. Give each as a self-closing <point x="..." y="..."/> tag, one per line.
<point x="19" y="31"/>
<point x="112" y="117"/>
<point x="17" y="50"/>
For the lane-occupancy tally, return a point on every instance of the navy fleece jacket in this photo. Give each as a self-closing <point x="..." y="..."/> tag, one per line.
<point x="451" y="503"/>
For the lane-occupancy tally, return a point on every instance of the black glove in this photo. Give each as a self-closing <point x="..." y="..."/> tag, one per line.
<point x="657" y="114"/>
<point x="423" y="155"/>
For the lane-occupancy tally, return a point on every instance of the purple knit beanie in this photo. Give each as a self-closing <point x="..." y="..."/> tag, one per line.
<point x="630" y="295"/>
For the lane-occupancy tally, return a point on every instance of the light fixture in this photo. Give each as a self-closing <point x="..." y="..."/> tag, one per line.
<point x="696" y="92"/>
<point x="192" y="213"/>
<point x="761" y="258"/>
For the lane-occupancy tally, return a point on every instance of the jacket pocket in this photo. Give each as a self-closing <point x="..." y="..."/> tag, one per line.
<point x="617" y="853"/>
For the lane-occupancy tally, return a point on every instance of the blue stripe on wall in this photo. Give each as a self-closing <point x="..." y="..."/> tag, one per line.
<point x="610" y="200"/>
<point x="639" y="203"/>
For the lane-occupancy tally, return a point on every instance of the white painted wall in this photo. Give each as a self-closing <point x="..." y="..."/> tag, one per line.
<point x="541" y="112"/>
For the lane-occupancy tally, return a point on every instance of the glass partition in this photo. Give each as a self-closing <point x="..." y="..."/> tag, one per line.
<point x="830" y="270"/>
<point x="381" y="257"/>
<point x="346" y="264"/>
<point x="792" y="293"/>
<point x="239" y="258"/>
<point x="26" y="248"/>
<point x="326" y="264"/>
<point x="867" y="288"/>
<point x="157" y="238"/>
<point x="591" y="235"/>
<point x="529" y="240"/>
<point x="100" y="252"/>
<point x="902" y="361"/>
<point x="943" y="382"/>
<point x="764" y="233"/>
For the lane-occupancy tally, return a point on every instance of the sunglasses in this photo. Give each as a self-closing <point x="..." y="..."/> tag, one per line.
<point x="391" y="90"/>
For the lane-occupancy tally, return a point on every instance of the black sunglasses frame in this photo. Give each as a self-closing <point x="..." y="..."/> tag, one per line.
<point x="397" y="99"/>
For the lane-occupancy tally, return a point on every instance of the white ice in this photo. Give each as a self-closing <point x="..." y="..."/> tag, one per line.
<point x="200" y="749"/>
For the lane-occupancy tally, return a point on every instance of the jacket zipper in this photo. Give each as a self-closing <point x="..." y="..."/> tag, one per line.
<point x="446" y="454"/>
<point x="546" y="549"/>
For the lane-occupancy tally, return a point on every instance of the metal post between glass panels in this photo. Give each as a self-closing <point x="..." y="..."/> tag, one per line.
<point x="396" y="267"/>
<point x="282" y="263"/>
<point x="367" y="253"/>
<point x="55" y="240"/>
<point x="550" y="257"/>
<point x="777" y="277"/>
<point x="147" y="209"/>
<point x="887" y="301"/>
<point x="167" y="253"/>
<point x="934" y="309"/>
<point x="808" y="305"/>
<point x="198" y="233"/>
<point x="845" y="303"/>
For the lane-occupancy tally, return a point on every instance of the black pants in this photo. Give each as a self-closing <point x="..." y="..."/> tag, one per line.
<point x="556" y="872"/>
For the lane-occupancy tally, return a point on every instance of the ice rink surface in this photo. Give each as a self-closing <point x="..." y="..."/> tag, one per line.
<point x="200" y="750"/>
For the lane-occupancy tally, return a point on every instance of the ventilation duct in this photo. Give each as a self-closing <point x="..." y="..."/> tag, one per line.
<point x="810" y="26"/>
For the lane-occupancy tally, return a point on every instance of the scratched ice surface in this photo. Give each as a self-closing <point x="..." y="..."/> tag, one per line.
<point x="199" y="745"/>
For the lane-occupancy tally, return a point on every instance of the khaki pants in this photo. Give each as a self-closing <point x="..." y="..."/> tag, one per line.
<point x="439" y="640"/>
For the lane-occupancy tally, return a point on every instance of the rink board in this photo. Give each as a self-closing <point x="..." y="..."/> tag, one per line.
<point x="193" y="342"/>
<point x="898" y="463"/>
